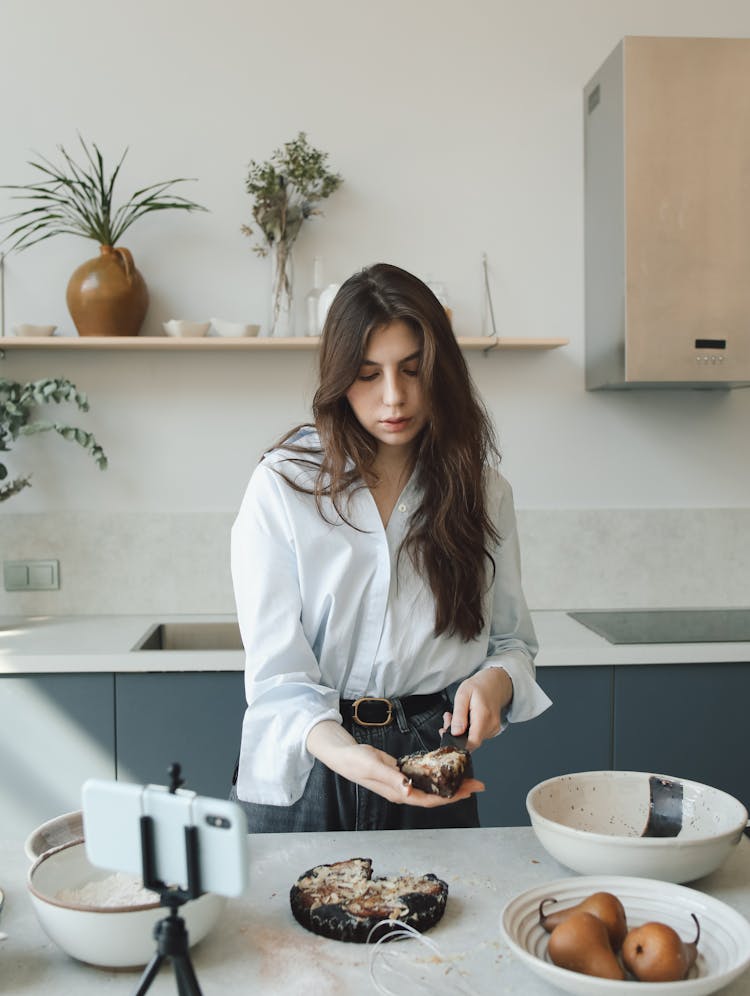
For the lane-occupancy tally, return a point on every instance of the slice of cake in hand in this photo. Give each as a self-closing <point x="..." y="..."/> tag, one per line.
<point x="438" y="771"/>
<point x="343" y="901"/>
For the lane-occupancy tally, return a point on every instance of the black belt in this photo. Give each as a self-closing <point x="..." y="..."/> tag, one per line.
<point x="369" y="711"/>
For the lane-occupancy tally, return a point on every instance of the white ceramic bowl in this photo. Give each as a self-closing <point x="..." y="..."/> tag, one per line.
<point x="112" y="936"/>
<point x="233" y="329"/>
<point x="61" y="830"/>
<point x="26" y="329"/>
<point x="723" y="948"/>
<point x="179" y="327"/>
<point x="592" y="822"/>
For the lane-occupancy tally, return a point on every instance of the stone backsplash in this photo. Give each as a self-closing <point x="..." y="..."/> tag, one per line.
<point x="179" y="563"/>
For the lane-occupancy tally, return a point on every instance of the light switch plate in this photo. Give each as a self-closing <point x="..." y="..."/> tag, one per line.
<point x="31" y="575"/>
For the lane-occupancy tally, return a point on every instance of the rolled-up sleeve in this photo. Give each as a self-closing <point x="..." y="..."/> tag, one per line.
<point x="285" y="696"/>
<point x="512" y="642"/>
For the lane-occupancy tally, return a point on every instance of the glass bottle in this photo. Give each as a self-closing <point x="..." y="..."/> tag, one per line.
<point x="312" y="326"/>
<point x="438" y="289"/>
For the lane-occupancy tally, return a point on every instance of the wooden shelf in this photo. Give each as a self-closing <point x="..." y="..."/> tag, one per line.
<point x="488" y="343"/>
<point x="217" y="344"/>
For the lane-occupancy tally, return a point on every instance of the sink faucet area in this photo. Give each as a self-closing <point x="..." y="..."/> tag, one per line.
<point x="191" y="636"/>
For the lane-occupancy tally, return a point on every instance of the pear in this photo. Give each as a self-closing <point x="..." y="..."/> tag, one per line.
<point x="581" y="944"/>
<point x="655" y="952"/>
<point x="604" y="905"/>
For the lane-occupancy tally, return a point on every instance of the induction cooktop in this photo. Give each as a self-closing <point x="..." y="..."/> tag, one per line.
<point x="668" y="625"/>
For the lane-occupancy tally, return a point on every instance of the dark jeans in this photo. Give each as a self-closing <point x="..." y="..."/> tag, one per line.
<point x="332" y="802"/>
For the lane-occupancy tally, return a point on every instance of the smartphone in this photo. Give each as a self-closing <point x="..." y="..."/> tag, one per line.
<point x="112" y="814"/>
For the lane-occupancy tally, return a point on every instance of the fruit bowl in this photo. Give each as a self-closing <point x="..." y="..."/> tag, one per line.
<point x="593" y="822"/>
<point x="109" y="933"/>
<point x="723" y="948"/>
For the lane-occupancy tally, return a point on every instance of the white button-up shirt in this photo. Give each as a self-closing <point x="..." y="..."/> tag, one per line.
<point x="325" y="613"/>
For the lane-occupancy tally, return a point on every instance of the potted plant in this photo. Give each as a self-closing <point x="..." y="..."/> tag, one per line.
<point x="286" y="191"/>
<point x="18" y="403"/>
<point x="106" y="295"/>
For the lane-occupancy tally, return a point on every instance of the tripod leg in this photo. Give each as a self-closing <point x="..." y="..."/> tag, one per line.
<point x="187" y="983"/>
<point x="149" y="974"/>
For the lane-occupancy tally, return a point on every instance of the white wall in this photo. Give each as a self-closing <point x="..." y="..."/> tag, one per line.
<point x="458" y="130"/>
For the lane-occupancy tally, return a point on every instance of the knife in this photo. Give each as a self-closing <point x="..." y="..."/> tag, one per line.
<point x="448" y="739"/>
<point x="461" y="742"/>
<point x="665" y="809"/>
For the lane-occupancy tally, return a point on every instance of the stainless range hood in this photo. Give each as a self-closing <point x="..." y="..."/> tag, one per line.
<point x="667" y="215"/>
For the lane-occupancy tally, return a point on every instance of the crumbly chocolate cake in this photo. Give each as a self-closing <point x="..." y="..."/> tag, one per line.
<point x="438" y="771"/>
<point x="343" y="901"/>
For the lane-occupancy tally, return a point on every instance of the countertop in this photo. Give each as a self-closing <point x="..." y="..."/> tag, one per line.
<point x="50" y="644"/>
<point x="258" y="948"/>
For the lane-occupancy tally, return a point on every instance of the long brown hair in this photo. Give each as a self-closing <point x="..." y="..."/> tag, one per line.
<point x="451" y="532"/>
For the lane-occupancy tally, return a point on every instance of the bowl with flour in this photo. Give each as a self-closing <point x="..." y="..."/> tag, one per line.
<point x="61" y="829"/>
<point x="105" y="918"/>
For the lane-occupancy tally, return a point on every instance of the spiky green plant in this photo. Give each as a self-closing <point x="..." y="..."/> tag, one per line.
<point x="76" y="198"/>
<point x="18" y="403"/>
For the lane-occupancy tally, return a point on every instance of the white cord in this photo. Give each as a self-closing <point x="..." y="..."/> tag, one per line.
<point x="379" y="953"/>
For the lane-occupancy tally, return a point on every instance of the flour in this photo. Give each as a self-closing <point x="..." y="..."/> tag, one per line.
<point x="118" y="889"/>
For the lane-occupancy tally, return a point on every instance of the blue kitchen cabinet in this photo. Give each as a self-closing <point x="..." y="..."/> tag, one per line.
<point x="191" y="717"/>
<point x="57" y="731"/>
<point x="574" y="734"/>
<point x="685" y="720"/>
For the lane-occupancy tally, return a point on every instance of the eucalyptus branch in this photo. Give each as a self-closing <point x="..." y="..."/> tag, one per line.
<point x="18" y="403"/>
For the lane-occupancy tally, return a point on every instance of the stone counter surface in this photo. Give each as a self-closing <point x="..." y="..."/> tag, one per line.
<point x="54" y="644"/>
<point x="257" y="947"/>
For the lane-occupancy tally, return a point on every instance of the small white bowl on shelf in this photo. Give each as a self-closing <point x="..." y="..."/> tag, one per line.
<point x="594" y="821"/>
<point x="233" y="330"/>
<point x="107" y="933"/>
<point x="33" y="331"/>
<point x="178" y="327"/>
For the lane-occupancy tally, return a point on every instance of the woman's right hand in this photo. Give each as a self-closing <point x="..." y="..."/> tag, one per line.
<point x="374" y="769"/>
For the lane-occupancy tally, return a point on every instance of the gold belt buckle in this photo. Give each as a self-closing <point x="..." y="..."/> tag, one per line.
<point x="358" y="702"/>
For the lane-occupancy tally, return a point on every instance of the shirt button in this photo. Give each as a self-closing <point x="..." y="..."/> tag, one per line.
<point x="402" y="507"/>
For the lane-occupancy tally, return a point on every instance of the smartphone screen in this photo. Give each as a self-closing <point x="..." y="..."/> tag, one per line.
<point x="112" y="813"/>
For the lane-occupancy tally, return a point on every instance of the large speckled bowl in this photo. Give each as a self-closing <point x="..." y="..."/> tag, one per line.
<point x="107" y="936"/>
<point x="62" y="829"/>
<point x="593" y="822"/>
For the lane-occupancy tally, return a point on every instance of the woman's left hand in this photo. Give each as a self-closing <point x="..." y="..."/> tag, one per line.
<point x="478" y="704"/>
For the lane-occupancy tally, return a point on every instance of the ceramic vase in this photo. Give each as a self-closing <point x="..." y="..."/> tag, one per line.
<point x="107" y="295"/>
<point x="281" y="324"/>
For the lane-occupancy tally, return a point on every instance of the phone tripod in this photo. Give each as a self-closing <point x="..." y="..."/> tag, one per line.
<point x="170" y="933"/>
<point x="172" y="943"/>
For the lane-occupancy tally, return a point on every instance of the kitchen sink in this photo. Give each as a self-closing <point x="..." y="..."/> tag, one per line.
<point x="192" y="636"/>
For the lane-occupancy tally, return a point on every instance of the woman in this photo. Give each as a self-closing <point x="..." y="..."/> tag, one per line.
<point x="375" y="557"/>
